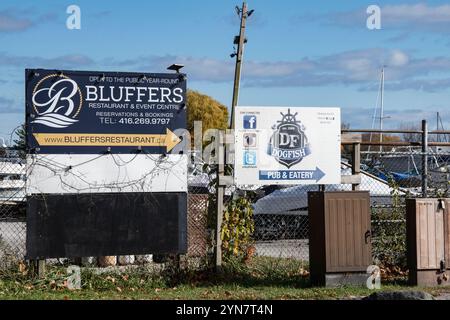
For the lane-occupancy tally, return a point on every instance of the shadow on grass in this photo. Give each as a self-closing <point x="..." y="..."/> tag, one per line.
<point x="261" y="271"/>
<point x="258" y="273"/>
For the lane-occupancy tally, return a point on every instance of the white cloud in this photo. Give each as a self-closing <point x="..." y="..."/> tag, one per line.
<point x="8" y="106"/>
<point x="9" y="22"/>
<point x="358" y="68"/>
<point x="422" y="17"/>
<point x="21" y="20"/>
<point x="398" y="58"/>
<point x="362" y="117"/>
<point x="217" y="70"/>
<point x="416" y="13"/>
<point x="59" y="62"/>
<point x="361" y="68"/>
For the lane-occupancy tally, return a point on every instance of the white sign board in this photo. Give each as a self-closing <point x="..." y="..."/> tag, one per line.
<point x="287" y="145"/>
<point x="83" y="173"/>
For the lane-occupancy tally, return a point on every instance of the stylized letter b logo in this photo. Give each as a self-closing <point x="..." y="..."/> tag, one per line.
<point x="57" y="105"/>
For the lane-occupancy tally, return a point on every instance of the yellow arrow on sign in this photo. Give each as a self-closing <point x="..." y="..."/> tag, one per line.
<point x="169" y="140"/>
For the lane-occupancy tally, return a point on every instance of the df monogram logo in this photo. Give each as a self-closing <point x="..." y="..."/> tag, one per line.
<point x="288" y="144"/>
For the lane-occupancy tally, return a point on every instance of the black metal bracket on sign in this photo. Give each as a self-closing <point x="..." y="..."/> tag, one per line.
<point x="441" y="204"/>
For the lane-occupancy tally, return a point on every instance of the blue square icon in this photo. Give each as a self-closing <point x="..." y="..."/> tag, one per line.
<point x="249" y="122"/>
<point x="249" y="158"/>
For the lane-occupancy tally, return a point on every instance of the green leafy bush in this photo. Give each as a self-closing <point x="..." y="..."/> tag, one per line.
<point x="237" y="228"/>
<point x="389" y="232"/>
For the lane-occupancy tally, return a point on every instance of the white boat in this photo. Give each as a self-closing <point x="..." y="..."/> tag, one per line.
<point x="12" y="181"/>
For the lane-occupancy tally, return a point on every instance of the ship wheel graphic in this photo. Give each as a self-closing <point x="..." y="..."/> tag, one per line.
<point x="288" y="118"/>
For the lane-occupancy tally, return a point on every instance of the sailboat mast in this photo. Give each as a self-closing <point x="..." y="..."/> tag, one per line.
<point x="382" y="108"/>
<point x="437" y="126"/>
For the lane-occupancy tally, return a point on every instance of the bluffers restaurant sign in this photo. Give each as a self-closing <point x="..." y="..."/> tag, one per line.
<point x="88" y="112"/>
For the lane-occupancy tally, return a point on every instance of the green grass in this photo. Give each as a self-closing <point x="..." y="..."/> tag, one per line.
<point x="186" y="292"/>
<point x="264" y="278"/>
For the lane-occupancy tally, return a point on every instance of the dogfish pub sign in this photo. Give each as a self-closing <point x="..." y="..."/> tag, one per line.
<point x="90" y="112"/>
<point x="287" y="145"/>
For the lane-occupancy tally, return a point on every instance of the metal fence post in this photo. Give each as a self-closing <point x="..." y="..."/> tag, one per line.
<point x="356" y="163"/>
<point x="41" y="268"/>
<point x="424" y="158"/>
<point x="220" y="192"/>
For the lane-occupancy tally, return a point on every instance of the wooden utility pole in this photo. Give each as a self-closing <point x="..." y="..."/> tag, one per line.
<point x="220" y="193"/>
<point x="240" y="41"/>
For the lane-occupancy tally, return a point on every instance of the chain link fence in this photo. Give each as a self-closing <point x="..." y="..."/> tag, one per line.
<point x="280" y="212"/>
<point x="401" y="171"/>
<point x="12" y="209"/>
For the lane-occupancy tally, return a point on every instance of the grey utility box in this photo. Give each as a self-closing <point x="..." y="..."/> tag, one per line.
<point x="428" y="241"/>
<point x="340" y="248"/>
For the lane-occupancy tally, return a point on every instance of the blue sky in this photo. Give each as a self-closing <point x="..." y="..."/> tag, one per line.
<point x="315" y="53"/>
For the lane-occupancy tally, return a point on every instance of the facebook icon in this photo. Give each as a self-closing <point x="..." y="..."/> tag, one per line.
<point x="249" y="122"/>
